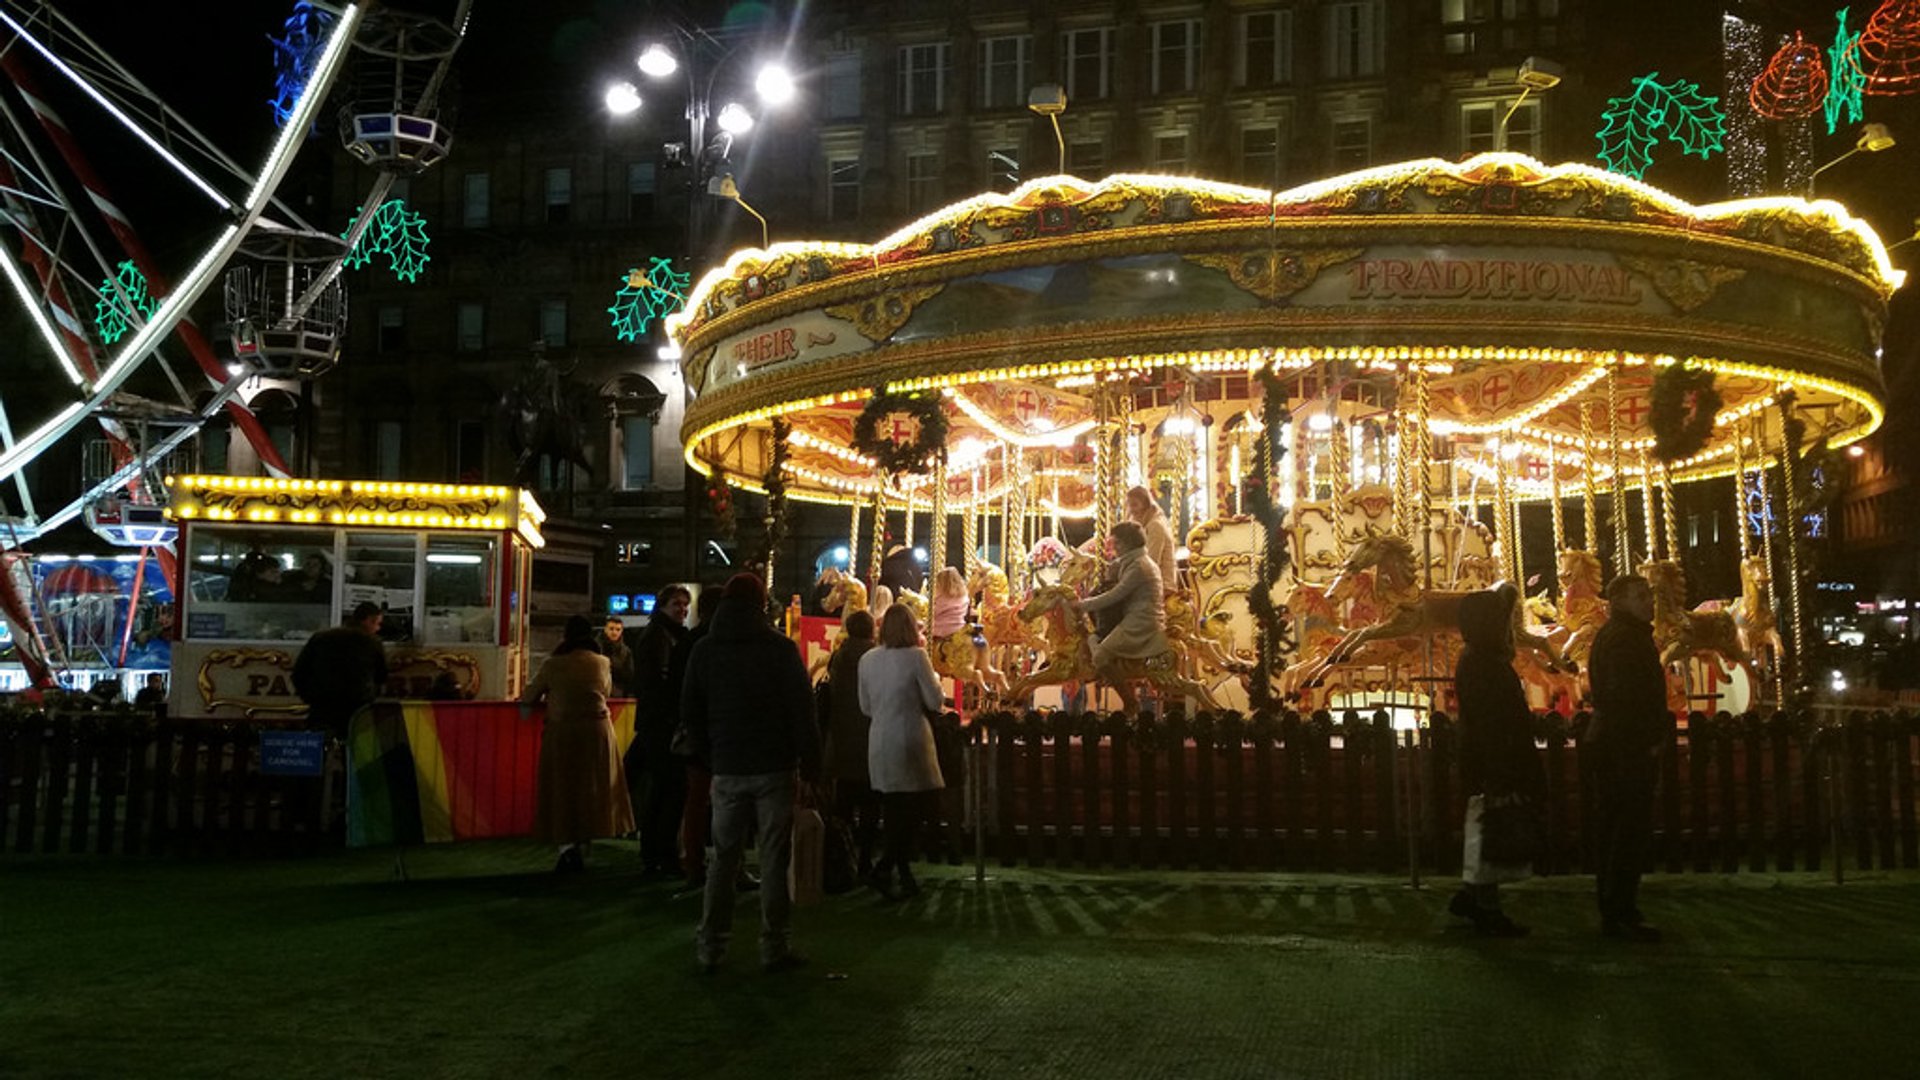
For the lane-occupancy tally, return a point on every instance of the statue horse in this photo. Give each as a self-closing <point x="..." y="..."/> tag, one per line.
<point x="542" y="423"/>
<point x="1753" y="616"/>
<point x="1070" y="658"/>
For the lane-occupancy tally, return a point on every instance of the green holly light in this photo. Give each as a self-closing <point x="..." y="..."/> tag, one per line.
<point x="1631" y="125"/>
<point x="112" y="316"/>
<point x="1847" y="81"/>
<point x="396" y="232"/>
<point x="653" y="293"/>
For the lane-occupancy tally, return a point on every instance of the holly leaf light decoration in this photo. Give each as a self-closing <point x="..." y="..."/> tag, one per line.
<point x="122" y="297"/>
<point x="396" y="232"/>
<point x="1846" y="81"/>
<point x="1631" y="126"/>
<point x="648" y="294"/>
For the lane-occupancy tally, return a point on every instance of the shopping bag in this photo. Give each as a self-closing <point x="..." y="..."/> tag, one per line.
<point x="808" y="857"/>
<point x="840" y="871"/>
<point x="1476" y="868"/>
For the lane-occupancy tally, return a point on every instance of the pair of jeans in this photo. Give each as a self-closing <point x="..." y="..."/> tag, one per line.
<point x="738" y="802"/>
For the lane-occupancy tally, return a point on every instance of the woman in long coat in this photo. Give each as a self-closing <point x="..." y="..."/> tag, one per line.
<point x="1498" y="762"/>
<point x="899" y="691"/>
<point x="582" y="789"/>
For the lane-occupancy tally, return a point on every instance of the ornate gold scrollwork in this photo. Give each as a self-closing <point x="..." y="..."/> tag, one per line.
<point x="234" y="658"/>
<point x="878" y="317"/>
<point x="1684" y="283"/>
<point x="1275" y="275"/>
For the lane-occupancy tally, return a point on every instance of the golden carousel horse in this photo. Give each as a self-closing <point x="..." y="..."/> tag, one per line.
<point x="846" y="594"/>
<point x="1407" y="610"/>
<point x="1682" y="634"/>
<point x="1211" y="642"/>
<point x="1753" y="616"/>
<point x="1000" y="620"/>
<point x="1070" y="657"/>
<point x="1582" y="611"/>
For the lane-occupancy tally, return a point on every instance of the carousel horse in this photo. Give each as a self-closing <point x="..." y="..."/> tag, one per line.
<point x="1000" y="621"/>
<point x="1753" y="615"/>
<point x="1320" y="632"/>
<point x="1070" y="656"/>
<point x="1583" y="611"/>
<point x="1407" y="610"/>
<point x="1683" y="634"/>
<point x="1195" y="642"/>
<point x="846" y="594"/>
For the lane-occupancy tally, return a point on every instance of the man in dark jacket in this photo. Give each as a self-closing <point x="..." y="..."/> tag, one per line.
<point x="342" y="668"/>
<point x="696" y="816"/>
<point x="1630" y="724"/>
<point x="619" y="657"/>
<point x="749" y="716"/>
<point x="655" y="779"/>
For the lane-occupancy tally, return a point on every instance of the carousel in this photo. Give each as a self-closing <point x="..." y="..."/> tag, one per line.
<point x="1342" y="397"/>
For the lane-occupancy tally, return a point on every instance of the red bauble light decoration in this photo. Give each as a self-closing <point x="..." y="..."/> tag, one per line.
<point x="1794" y="83"/>
<point x="1887" y="56"/>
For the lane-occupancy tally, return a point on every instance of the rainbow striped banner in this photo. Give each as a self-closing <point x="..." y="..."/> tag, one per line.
<point x="434" y="771"/>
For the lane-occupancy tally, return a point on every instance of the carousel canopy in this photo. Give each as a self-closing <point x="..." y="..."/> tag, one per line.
<point x="1517" y="287"/>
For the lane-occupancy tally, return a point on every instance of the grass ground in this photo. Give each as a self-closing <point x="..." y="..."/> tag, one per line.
<point x="482" y="965"/>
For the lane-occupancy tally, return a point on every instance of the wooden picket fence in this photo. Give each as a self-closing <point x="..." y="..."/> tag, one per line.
<point x="122" y="783"/>
<point x="1775" y="792"/>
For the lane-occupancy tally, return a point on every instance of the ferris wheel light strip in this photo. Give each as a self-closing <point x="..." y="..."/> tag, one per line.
<point x="31" y="301"/>
<point x="115" y="111"/>
<point x="196" y="281"/>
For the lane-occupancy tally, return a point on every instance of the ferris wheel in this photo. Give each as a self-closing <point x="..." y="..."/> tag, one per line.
<point x="105" y="362"/>
<point x="110" y="354"/>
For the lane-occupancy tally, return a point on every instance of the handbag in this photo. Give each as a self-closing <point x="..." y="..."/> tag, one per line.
<point x="1477" y="866"/>
<point x="808" y="857"/>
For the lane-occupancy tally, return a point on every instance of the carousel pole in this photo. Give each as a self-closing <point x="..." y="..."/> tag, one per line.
<point x="1553" y="493"/>
<point x="1790" y="499"/>
<point x="937" y="542"/>
<point x="1740" y="492"/>
<point x="1339" y="477"/>
<point x="879" y="533"/>
<point x="1013" y="552"/>
<point x="1102" y="461"/>
<point x="1647" y="511"/>
<point x="1669" y="513"/>
<point x="970" y="522"/>
<point x="1766" y="528"/>
<point x="853" y="542"/>
<point x="906" y="533"/>
<point x="1503" y="517"/>
<point x="1589" y="538"/>
<point x="1617" y="499"/>
<point x="1423" y="470"/>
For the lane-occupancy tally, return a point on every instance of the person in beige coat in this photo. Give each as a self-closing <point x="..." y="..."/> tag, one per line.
<point x="1141" y="632"/>
<point x="899" y="690"/>
<point x="1144" y="512"/>
<point x="582" y="789"/>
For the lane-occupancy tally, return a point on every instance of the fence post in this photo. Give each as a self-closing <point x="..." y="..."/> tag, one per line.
<point x="1834" y="763"/>
<point x="1412" y="804"/>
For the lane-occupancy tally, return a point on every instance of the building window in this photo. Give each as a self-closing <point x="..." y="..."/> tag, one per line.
<point x="470" y="328"/>
<point x="389" y="437"/>
<point x="559" y="195"/>
<point x="476" y="196"/>
<point x="1176" y="55"/>
<point x="641" y="186"/>
<point x="392" y="322"/>
<point x="1003" y="169"/>
<point x="1260" y="155"/>
<point x="843" y="191"/>
<point x="636" y="451"/>
<point x="923" y="182"/>
<point x="923" y="79"/>
<point x="553" y="322"/>
<point x="1006" y="63"/>
<point x="1355" y="39"/>
<point x="1352" y="144"/>
<point x="1480" y="122"/>
<point x="470" y="452"/>
<point x="1457" y="43"/>
<point x="1087" y="158"/>
<point x="1087" y="58"/>
<point x="1170" y="152"/>
<point x="842" y="97"/>
<point x="1265" y="57"/>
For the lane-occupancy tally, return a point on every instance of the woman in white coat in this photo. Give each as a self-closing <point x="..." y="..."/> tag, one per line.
<point x="899" y="691"/>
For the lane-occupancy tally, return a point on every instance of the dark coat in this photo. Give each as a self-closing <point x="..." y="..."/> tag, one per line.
<point x="656" y="693"/>
<point x="1497" y="755"/>
<point x="340" y="669"/>
<point x="1630" y="717"/>
<point x="620" y="659"/>
<point x="847" y="726"/>
<point x="746" y="701"/>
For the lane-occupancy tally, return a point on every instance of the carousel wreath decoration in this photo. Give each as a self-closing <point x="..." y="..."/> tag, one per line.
<point x="904" y="433"/>
<point x="775" y="482"/>
<point x="1683" y="406"/>
<point x="720" y="503"/>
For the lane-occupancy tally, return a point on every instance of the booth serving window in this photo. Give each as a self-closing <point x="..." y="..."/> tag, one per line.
<point x="259" y="585"/>
<point x="380" y="569"/>
<point x="459" y="599"/>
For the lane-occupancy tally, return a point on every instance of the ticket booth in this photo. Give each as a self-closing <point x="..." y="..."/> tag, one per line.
<point x="264" y="563"/>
